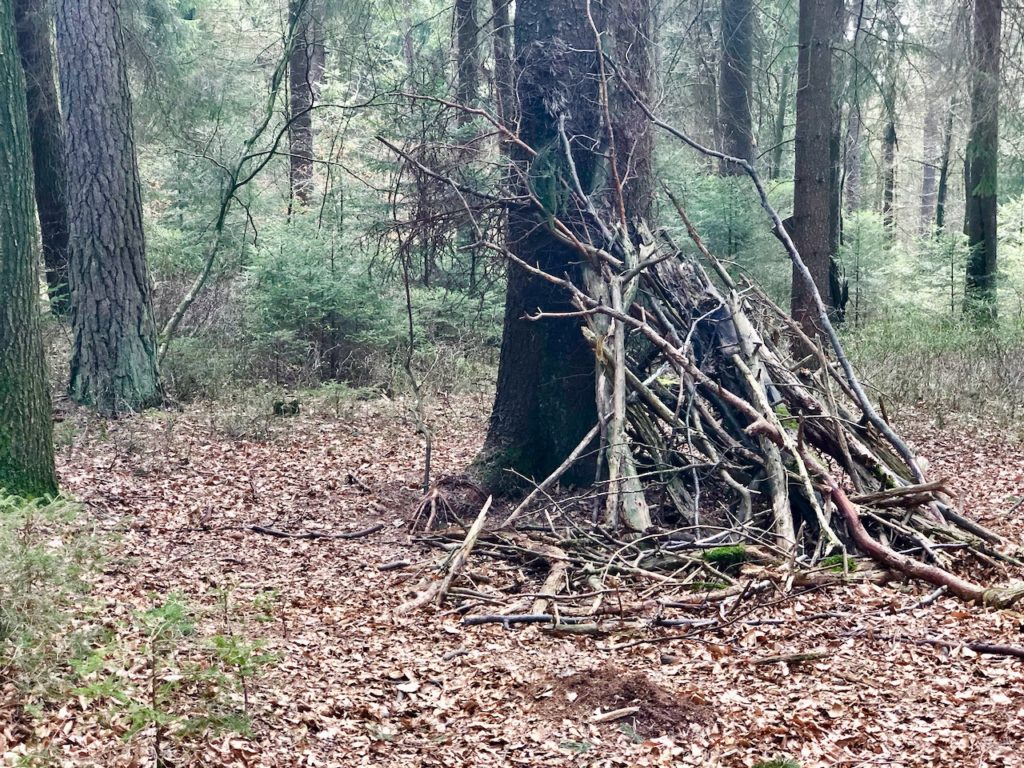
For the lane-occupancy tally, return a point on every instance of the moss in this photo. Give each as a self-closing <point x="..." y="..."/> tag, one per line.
<point x="725" y="557"/>
<point x="778" y="762"/>
<point x="839" y="563"/>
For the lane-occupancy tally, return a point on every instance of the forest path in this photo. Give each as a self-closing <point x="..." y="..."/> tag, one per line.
<point x="356" y="685"/>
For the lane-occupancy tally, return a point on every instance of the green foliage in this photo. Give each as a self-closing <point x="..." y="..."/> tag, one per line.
<point x="778" y="762"/>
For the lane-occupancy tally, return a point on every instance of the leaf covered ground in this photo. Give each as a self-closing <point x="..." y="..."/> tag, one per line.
<point x="334" y="677"/>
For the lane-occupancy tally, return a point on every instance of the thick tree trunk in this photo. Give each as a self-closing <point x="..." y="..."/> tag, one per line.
<point x="113" y="364"/>
<point x="983" y="163"/>
<point x="305" y="71"/>
<point x="26" y="433"/>
<point x="734" y="83"/>
<point x="468" y="57"/>
<point x="38" y="59"/>
<point x="545" y="401"/>
<point x="812" y="229"/>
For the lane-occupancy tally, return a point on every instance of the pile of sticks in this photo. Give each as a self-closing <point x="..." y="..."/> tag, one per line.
<point x="732" y="442"/>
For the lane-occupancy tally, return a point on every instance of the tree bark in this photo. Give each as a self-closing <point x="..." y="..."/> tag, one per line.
<point x="929" y="173"/>
<point x="504" y="95"/>
<point x="779" y="138"/>
<point x="942" y="192"/>
<point x="983" y="163"/>
<point x="113" y="364"/>
<point x="812" y="229"/>
<point x="305" y="72"/>
<point x="852" y="161"/>
<point x="468" y="57"/>
<point x="889" y="177"/>
<point x="734" y="84"/>
<point x="545" y="401"/>
<point x="26" y="433"/>
<point x="38" y="60"/>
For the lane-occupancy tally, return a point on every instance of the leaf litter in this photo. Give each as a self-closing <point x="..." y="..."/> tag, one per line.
<point x="356" y="684"/>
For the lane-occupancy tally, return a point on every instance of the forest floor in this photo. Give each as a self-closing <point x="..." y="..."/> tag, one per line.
<point x="350" y="683"/>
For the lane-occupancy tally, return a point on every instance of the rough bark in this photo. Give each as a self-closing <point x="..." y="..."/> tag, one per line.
<point x="38" y="60"/>
<point x="113" y="365"/>
<point x="983" y="162"/>
<point x="305" y="72"/>
<point x="545" y="402"/>
<point x="26" y="435"/>
<point x="734" y="84"/>
<point x="467" y="55"/>
<point x="813" y="179"/>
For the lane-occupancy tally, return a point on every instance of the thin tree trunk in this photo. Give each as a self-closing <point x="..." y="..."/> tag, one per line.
<point x="305" y="72"/>
<point x="734" y="84"/>
<point x="503" y="91"/>
<point x="852" y="161"/>
<point x="812" y="230"/>
<point x="983" y="163"/>
<point x="26" y="433"/>
<point x="889" y="178"/>
<point x="113" y="364"/>
<point x="929" y="173"/>
<point x="467" y="53"/>
<point x="779" y="139"/>
<point x="38" y="59"/>
<point x="942" y="192"/>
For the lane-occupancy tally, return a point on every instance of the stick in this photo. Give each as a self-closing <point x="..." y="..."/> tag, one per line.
<point x="462" y="555"/>
<point x="314" y="534"/>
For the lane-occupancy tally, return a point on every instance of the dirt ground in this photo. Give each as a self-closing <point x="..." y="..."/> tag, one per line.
<point x="355" y="684"/>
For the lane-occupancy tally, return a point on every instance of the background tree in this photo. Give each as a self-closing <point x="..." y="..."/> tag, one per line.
<point x="468" y="56"/>
<point x="35" y="44"/>
<point x="113" y="364"/>
<point x="983" y="162"/>
<point x="26" y="434"/>
<point x="734" y="83"/>
<point x="305" y="72"/>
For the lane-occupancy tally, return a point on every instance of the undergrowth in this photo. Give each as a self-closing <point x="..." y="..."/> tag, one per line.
<point x="944" y="367"/>
<point x="143" y="673"/>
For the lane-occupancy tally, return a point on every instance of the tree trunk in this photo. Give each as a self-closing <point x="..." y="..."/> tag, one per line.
<point x="467" y="52"/>
<point x="942" y="193"/>
<point x="812" y="229"/>
<point x="35" y="44"/>
<point x="545" y="401"/>
<point x="852" y="161"/>
<point x="889" y="177"/>
<point x="734" y="83"/>
<point x="779" y="138"/>
<point x="113" y="364"/>
<point x="305" y="71"/>
<point x="929" y="175"/>
<point x="983" y="163"/>
<point x="504" y="96"/>
<point x="26" y="433"/>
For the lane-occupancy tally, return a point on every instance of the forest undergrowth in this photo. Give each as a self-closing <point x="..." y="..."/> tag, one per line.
<point x="205" y="637"/>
